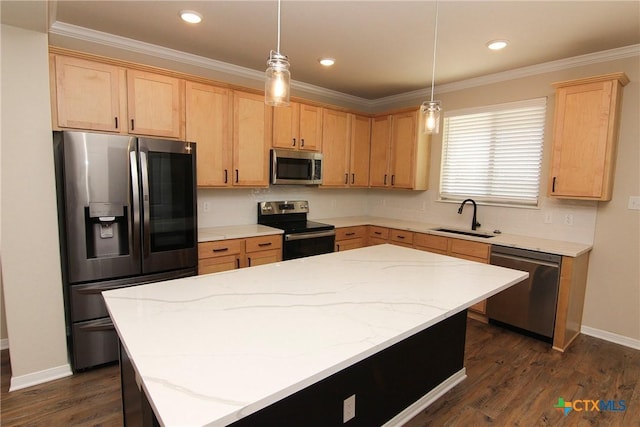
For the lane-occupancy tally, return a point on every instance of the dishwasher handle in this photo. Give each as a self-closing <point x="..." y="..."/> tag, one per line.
<point x="516" y="258"/>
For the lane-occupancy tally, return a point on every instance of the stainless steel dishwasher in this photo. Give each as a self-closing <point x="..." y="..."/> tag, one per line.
<point x="531" y="304"/>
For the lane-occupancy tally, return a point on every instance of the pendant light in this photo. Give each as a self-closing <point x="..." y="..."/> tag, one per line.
<point x="277" y="77"/>
<point x="430" y="110"/>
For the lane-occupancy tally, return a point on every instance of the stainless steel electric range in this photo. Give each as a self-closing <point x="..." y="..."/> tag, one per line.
<point x="301" y="237"/>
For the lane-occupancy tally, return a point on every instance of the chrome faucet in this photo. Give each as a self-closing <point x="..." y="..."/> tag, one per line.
<point x="474" y="221"/>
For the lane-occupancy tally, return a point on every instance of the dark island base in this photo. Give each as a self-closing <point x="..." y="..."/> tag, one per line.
<point x="384" y="384"/>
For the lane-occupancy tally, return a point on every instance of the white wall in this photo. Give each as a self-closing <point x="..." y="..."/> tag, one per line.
<point x="237" y="207"/>
<point x="31" y="275"/>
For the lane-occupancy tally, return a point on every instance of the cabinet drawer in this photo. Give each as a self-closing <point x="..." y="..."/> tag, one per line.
<point x="468" y="249"/>
<point x="430" y="242"/>
<point x="350" y="232"/>
<point x="376" y="232"/>
<point x="401" y="236"/>
<point x="220" y="248"/>
<point x="262" y="243"/>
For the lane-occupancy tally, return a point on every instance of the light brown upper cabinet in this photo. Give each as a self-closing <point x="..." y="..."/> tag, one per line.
<point x="88" y="95"/>
<point x="251" y="140"/>
<point x="360" y="149"/>
<point x="208" y="119"/>
<point x="399" y="152"/>
<point x="345" y="147"/>
<point x="297" y="127"/>
<point x="156" y="104"/>
<point x="336" y="135"/>
<point x="585" y="137"/>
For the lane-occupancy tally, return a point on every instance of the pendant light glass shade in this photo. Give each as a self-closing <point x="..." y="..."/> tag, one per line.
<point x="277" y="80"/>
<point x="430" y="111"/>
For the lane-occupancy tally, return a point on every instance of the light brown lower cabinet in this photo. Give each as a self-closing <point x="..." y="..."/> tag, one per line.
<point x="377" y="235"/>
<point x="350" y="238"/>
<point x="219" y="255"/>
<point x="263" y="250"/>
<point x="401" y="237"/>
<point x="231" y="254"/>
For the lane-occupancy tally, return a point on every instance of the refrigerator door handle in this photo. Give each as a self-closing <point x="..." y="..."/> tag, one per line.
<point x="135" y="199"/>
<point x="144" y="169"/>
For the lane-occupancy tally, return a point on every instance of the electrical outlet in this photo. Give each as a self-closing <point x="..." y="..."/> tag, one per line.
<point x="205" y="206"/>
<point x="548" y="218"/>
<point x="634" y="203"/>
<point x="568" y="219"/>
<point x="349" y="408"/>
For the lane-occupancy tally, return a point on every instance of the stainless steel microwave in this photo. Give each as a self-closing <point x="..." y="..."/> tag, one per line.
<point x="296" y="167"/>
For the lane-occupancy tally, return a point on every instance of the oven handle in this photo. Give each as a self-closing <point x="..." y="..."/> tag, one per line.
<point x="304" y="236"/>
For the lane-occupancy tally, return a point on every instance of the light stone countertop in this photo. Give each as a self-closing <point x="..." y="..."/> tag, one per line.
<point x="212" y="349"/>
<point x="557" y="247"/>
<point x="235" y="232"/>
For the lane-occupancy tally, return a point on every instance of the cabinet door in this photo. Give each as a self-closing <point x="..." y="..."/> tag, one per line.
<point x="403" y="142"/>
<point x="380" y="140"/>
<point x="310" y="128"/>
<point x="264" y="257"/>
<point x="360" y="150"/>
<point x="208" y="125"/>
<point x="156" y="104"/>
<point x="335" y="148"/>
<point x="88" y="94"/>
<point x="584" y="139"/>
<point x="286" y="126"/>
<point x="251" y="140"/>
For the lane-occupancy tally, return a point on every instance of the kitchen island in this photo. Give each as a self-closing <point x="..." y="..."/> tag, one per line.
<point x="377" y="331"/>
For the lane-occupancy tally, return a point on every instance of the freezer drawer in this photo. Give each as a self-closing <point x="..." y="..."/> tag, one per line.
<point x="95" y="343"/>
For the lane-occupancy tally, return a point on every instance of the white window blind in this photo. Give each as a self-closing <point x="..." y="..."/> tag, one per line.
<point x="493" y="154"/>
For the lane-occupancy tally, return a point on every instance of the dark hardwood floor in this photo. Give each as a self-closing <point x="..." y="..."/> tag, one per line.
<point x="512" y="380"/>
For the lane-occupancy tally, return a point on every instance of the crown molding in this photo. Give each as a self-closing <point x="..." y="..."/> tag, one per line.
<point x="131" y="45"/>
<point x="111" y="40"/>
<point x="517" y="73"/>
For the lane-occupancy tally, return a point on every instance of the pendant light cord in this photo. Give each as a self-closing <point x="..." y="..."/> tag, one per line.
<point x="278" y="27"/>
<point x="435" y="43"/>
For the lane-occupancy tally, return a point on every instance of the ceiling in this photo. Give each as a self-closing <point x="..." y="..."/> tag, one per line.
<point x="382" y="48"/>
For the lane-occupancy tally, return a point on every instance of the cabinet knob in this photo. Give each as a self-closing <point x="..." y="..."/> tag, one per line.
<point x="353" y="178"/>
<point x="226" y="176"/>
<point x="553" y="185"/>
<point x="237" y="176"/>
<point x="346" y="178"/>
<point x="301" y="142"/>
<point x="294" y="142"/>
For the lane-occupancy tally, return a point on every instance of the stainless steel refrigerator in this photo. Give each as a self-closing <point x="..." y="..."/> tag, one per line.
<point x="127" y="216"/>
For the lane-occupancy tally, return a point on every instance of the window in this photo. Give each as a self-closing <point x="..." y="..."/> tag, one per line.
<point x="493" y="154"/>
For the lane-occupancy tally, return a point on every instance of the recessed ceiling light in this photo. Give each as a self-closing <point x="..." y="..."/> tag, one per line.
<point x="327" y="62"/>
<point x="191" y="16"/>
<point x="497" y="44"/>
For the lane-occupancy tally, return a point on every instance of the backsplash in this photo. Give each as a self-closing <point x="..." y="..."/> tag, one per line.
<point x="551" y="221"/>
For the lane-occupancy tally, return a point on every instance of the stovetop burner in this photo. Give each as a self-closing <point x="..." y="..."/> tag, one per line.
<point x="290" y="216"/>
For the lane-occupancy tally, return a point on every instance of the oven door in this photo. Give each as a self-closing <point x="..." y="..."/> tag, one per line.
<point x="307" y="244"/>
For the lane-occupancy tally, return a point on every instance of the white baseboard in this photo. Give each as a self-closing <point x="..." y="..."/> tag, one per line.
<point x="426" y="400"/>
<point x="610" y="336"/>
<point x="35" y="378"/>
<point x="4" y="343"/>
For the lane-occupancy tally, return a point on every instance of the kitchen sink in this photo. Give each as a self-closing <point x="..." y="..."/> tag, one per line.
<point x="466" y="233"/>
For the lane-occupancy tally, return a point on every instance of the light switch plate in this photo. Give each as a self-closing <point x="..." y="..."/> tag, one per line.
<point x="634" y="203"/>
<point x="349" y="408"/>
